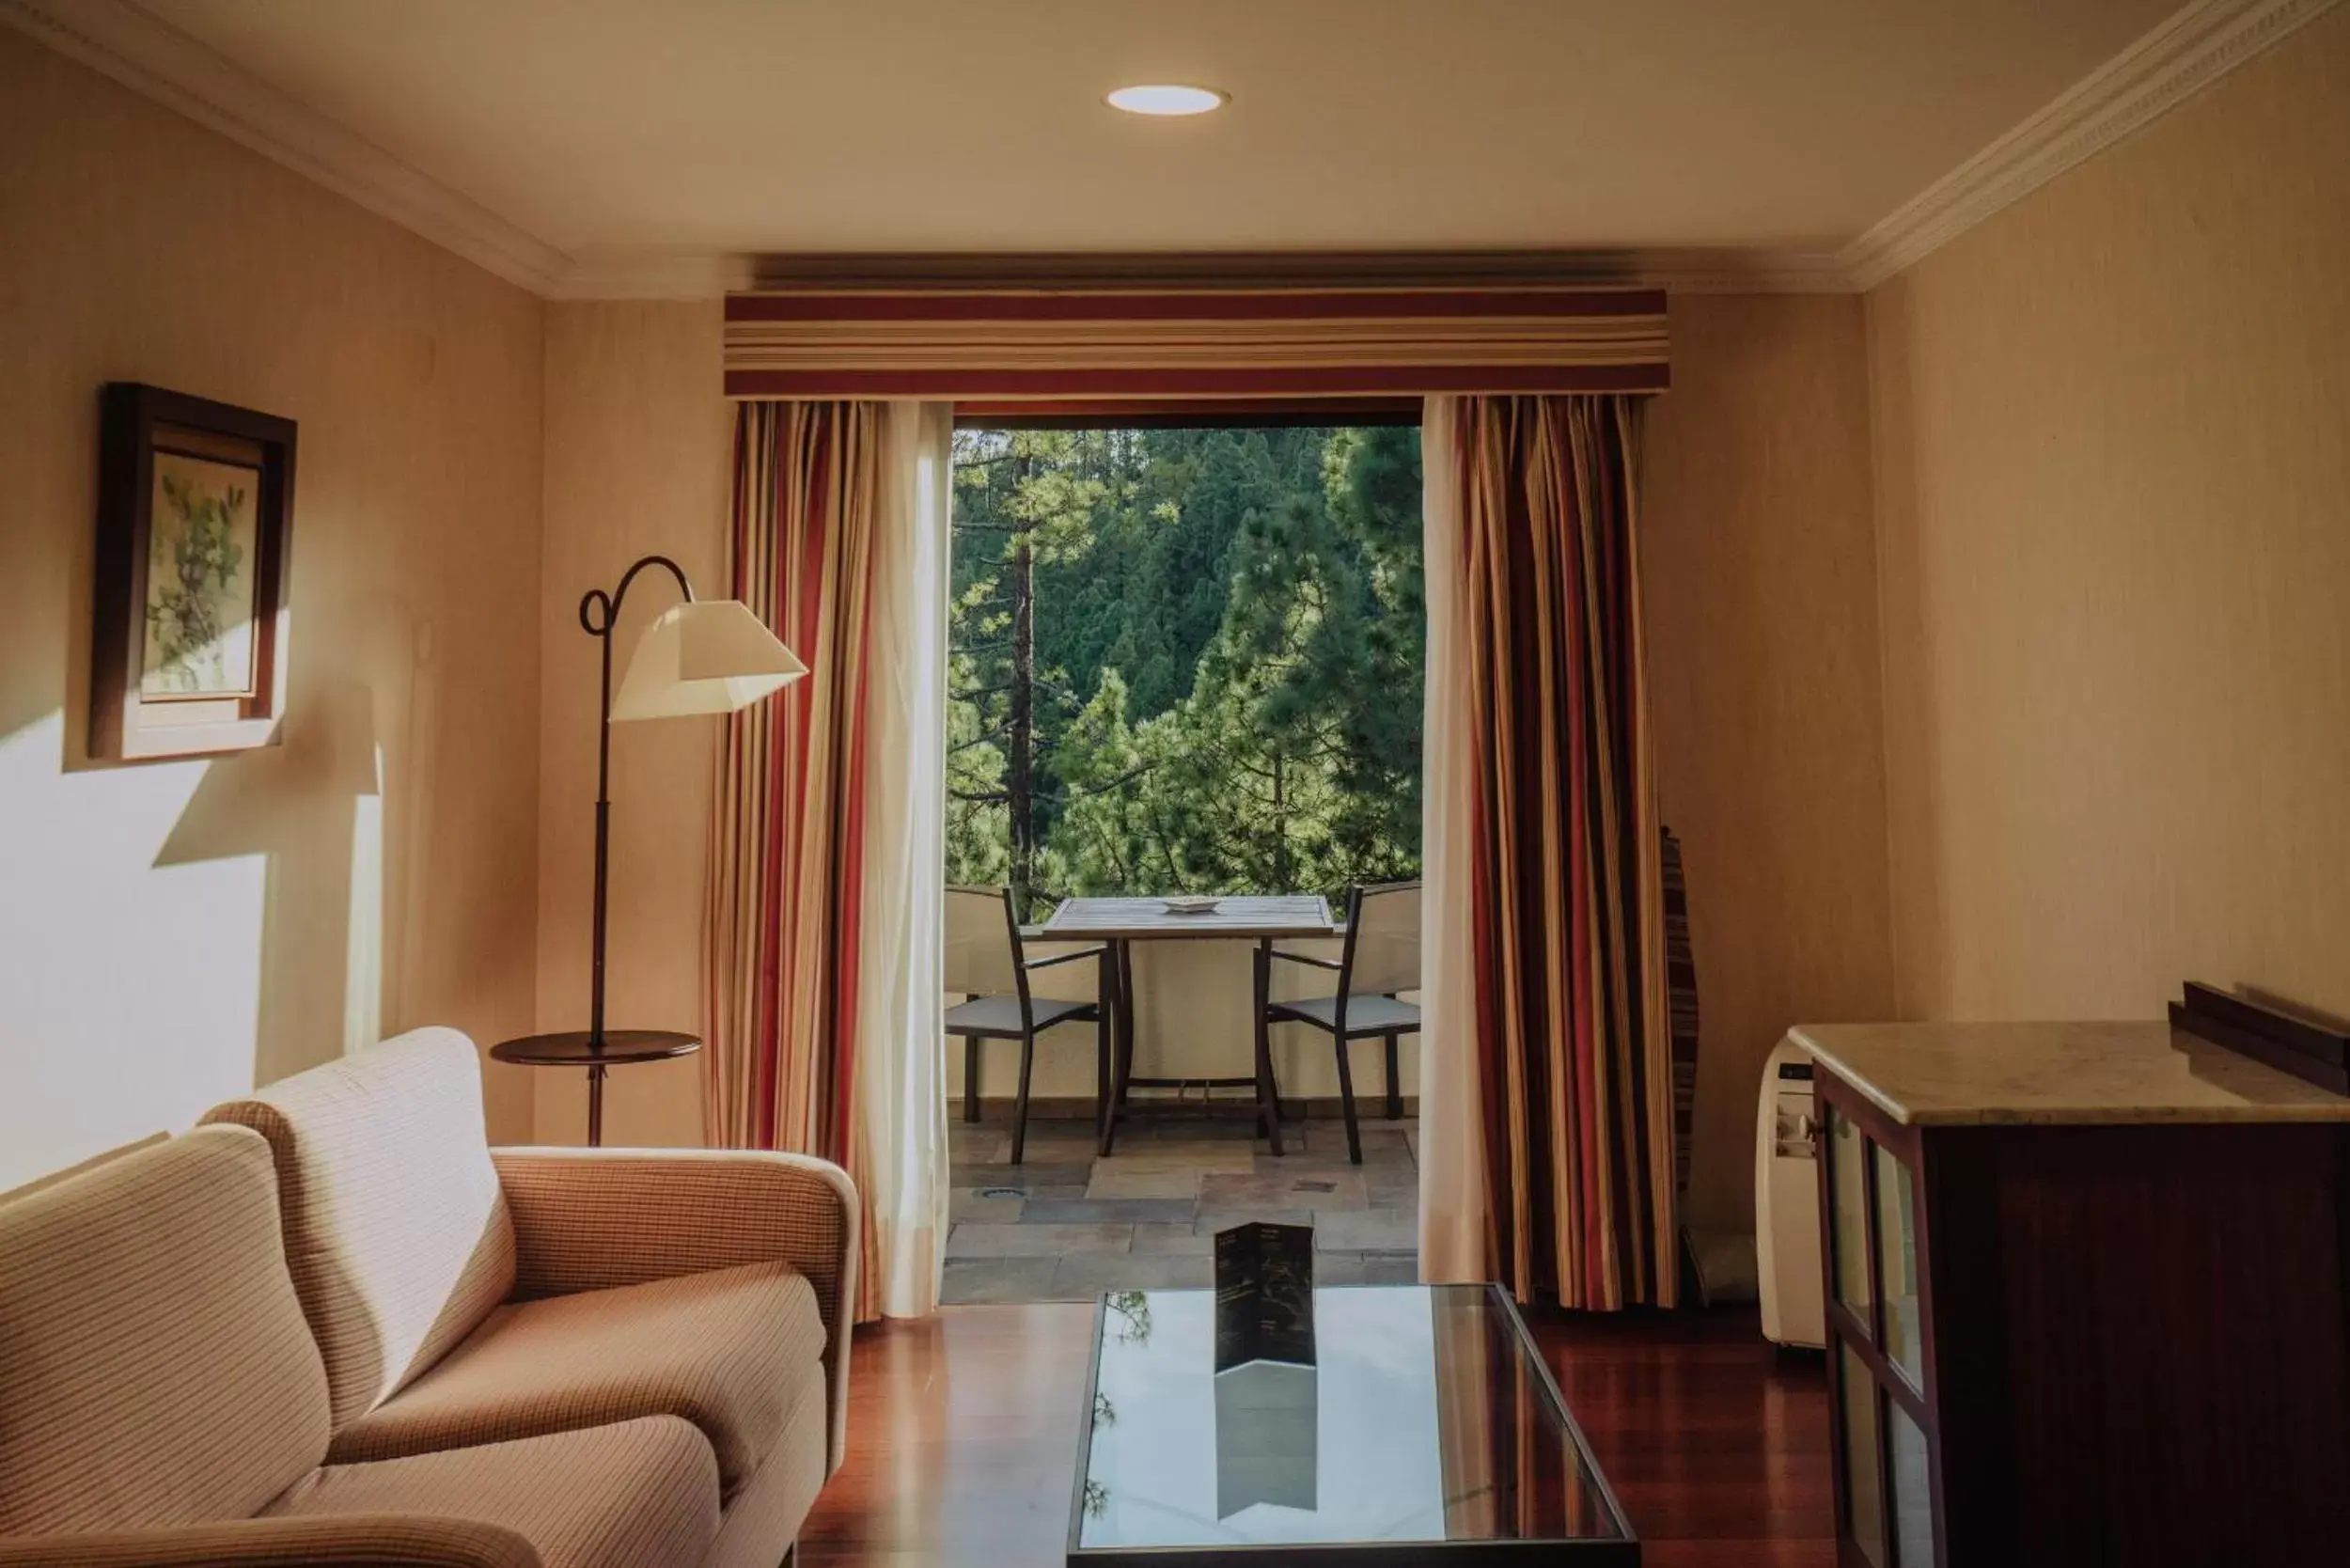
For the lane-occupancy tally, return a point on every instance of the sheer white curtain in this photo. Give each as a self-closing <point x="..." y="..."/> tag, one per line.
<point x="901" y="965"/>
<point x="1452" y="1129"/>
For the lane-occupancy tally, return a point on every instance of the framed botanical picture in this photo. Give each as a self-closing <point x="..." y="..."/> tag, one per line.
<point x="194" y="516"/>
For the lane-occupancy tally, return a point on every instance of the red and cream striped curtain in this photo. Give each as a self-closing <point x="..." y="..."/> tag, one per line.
<point x="1222" y="345"/>
<point x="1550" y="1117"/>
<point x="787" y="842"/>
<point x="825" y="958"/>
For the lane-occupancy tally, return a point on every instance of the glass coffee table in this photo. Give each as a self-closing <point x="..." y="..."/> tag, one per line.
<point x="1428" y="1431"/>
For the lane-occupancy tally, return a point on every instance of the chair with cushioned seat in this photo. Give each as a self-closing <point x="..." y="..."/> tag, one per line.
<point x="1380" y="960"/>
<point x="987" y="961"/>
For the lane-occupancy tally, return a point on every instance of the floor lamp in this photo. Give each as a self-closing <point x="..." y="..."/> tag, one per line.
<point x="699" y="656"/>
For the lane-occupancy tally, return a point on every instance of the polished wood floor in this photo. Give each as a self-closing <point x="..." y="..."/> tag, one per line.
<point x="962" y="1433"/>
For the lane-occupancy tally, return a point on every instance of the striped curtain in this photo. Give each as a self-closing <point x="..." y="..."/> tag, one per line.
<point x="1221" y="343"/>
<point x="1566" y="957"/>
<point x="787" y="873"/>
<point x="1681" y="1006"/>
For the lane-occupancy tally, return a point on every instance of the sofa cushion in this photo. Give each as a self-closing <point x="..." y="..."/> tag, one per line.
<point x="154" y="1366"/>
<point x="395" y="1231"/>
<point x="724" y="1350"/>
<point x="770" y="1507"/>
<point x="641" y="1494"/>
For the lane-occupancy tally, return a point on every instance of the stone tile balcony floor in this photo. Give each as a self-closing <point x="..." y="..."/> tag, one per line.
<point x="1065" y="1224"/>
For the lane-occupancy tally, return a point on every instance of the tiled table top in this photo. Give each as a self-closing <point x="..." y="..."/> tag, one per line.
<point x="1240" y="917"/>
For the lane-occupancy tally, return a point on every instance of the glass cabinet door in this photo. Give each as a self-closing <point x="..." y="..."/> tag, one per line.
<point x="1860" y="1446"/>
<point x="1897" y="1267"/>
<point x="1848" y="1211"/>
<point x="1882" y="1463"/>
<point x="1912" y="1489"/>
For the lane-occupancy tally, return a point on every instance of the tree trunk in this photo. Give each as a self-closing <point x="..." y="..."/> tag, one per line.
<point x="1280" y="824"/>
<point x="1020" y="776"/>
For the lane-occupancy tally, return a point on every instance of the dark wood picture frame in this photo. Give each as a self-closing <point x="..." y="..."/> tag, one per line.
<point x="128" y="721"/>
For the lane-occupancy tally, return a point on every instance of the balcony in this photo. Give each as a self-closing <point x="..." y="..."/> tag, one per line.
<point x="1064" y="1224"/>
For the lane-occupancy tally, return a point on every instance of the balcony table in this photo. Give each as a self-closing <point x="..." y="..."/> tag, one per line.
<point x="1120" y="922"/>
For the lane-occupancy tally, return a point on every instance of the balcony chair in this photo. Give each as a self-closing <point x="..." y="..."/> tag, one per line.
<point x="1381" y="957"/>
<point x="987" y="961"/>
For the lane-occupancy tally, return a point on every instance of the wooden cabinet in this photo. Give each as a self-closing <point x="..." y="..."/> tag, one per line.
<point x="2068" y="1342"/>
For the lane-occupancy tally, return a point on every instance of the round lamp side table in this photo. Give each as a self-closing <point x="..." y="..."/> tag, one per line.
<point x="581" y="1048"/>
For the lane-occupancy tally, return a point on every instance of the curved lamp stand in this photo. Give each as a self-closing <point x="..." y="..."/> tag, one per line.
<point x="699" y="656"/>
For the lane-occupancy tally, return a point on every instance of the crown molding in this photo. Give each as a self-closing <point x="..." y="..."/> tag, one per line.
<point x="2185" y="53"/>
<point x="653" y="275"/>
<point x="1739" y="272"/>
<point x="2194" y="48"/>
<point x="122" y="40"/>
<point x="159" y="62"/>
<point x="2181" y="56"/>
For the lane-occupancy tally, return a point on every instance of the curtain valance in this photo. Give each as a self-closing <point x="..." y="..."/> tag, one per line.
<point x="1136" y="345"/>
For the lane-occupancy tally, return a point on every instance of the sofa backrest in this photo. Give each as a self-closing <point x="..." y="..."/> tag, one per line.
<point x="395" y="1231"/>
<point x="154" y="1365"/>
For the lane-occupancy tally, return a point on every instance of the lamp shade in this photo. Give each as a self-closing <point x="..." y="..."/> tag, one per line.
<point x="703" y="656"/>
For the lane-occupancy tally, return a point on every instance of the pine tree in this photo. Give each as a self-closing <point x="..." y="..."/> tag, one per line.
<point x="1185" y="660"/>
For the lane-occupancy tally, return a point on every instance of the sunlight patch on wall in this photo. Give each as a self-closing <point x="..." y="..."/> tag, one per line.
<point x="363" y="960"/>
<point x="132" y="991"/>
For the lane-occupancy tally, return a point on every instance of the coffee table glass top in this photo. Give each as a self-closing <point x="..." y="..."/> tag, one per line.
<point x="1428" y="1418"/>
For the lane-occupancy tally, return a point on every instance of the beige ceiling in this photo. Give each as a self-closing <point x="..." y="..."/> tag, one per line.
<point x="978" y="125"/>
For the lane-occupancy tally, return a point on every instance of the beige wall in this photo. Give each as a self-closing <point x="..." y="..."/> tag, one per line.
<point x="174" y="932"/>
<point x="637" y="453"/>
<point x="2114" y="461"/>
<point x="1759" y="580"/>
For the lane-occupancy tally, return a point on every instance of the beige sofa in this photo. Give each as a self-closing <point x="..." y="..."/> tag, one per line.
<point x="333" y="1326"/>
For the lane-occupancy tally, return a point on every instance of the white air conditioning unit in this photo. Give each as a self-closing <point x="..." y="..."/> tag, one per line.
<point x="1787" y="1202"/>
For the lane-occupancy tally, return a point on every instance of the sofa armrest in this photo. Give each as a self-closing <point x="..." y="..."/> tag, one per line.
<point x="343" y="1541"/>
<point x="592" y="1218"/>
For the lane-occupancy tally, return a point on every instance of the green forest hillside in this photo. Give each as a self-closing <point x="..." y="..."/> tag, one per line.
<point x="1185" y="660"/>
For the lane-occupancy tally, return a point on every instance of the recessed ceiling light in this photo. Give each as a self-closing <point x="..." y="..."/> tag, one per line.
<point x="1164" y="98"/>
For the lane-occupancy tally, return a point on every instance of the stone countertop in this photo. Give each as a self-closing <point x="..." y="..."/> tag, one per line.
<point x="1961" y="1074"/>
